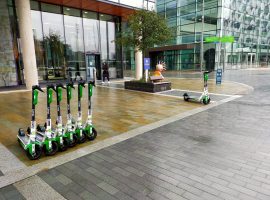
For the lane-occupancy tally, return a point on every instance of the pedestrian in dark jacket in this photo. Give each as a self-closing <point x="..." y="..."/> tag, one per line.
<point x="105" y="73"/>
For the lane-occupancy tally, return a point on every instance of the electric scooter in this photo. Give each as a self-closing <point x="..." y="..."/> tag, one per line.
<point x="89" y="129"/>
<point x="69" y="129"/>
<point x="29" y="141"/>
<point x="204" y="98"/>
<point x="61" y="139"/>
<point x="79" y="129"/>
<point x="49" y="143"/>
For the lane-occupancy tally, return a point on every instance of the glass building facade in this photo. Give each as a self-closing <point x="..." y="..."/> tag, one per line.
<point x="67" y="40"/>
<point x="246" y="20"/>
<point x="63" y="36"/>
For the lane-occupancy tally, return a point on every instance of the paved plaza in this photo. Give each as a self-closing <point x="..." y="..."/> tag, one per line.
<point x="153" y="146"/>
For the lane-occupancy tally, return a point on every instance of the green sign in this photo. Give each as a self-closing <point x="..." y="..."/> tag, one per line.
<point x="224" y="39"/>
<point x="212" y="39"/>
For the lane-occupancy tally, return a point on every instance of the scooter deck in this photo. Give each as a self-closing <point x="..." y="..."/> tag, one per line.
<point x="24" y="139"/>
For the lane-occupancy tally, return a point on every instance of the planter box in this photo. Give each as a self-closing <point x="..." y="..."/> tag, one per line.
<point x="148" y="87"/>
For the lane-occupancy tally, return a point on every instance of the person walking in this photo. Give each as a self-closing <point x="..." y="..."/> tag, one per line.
<point x="105" y="73"/>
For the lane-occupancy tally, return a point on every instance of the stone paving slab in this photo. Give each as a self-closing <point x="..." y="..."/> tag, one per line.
<point x="211" y="155"/>
<point x="35" y="188"/>
<point x="121" y="110"/>
<point x="10" y="193"/>
<point x="219" y="159"/>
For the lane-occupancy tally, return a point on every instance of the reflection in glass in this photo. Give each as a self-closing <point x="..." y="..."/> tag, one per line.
<point x="91" y="35"/>
<point x="54" y="45"/>
<point x="8" y="74"/>
<point x="111" y="40"/>
<point x="103" y="40"/>
<point x="75" y="57"/>
<point x="39" y="44"/>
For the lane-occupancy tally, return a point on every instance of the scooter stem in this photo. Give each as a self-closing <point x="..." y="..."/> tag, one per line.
<point x="35" y="90"/>
<point x="81" y="85"/>
<point x="59" y="97"/>
<point x="91" y="84"/>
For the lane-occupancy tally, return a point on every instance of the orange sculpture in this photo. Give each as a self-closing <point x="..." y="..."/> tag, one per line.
<point x="160" y="67"/>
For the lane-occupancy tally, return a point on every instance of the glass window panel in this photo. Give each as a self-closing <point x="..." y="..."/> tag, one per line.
<point x="90" y="15"/>
<point x="34" y="5"/>
<point x="103" y="40"/>
<point x="54" y="45"/>
<point x="8" y="75"/>
<point x="50" y="8"/>
<point x="104" y="17"/>
<point x="75" y="57"/>
<point x="39" y="44"/>
<point x="187" y="9"/>
<point x="186" y="2"/>
<point x="72" y="12"/>
<point x="111" y="40"/>
<point x="91" y="35"/>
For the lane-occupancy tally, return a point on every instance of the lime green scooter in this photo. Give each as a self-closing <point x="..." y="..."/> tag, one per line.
<point x="204" y="98"/>
<point x="79" y="129"/>
<point x="89" y="129"/>
<point x="49" y="142"/>
<point x="69" y="129"/>
<point x="61" y="138"/>
<point x="29" y="141"/>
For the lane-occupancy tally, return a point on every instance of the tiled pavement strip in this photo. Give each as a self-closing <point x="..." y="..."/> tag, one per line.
<point x="220" y="153"/>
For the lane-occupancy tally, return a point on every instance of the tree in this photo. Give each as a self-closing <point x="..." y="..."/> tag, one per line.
<point x="145" y="29"/>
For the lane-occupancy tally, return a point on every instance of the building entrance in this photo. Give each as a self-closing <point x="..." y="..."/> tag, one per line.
<point x="93" y="62"/>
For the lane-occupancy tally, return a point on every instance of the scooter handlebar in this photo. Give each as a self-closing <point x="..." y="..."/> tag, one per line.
<point x="207" y="72"/>
<point x="92" y="83"/>
<point x="70" y="84"/>
<point x="60" y="85"/>
<point x="81" y="83"/>
<point x="51" y="86"/>
<point x="37" y="87"/>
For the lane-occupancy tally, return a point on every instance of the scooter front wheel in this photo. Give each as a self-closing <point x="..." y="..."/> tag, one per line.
<point x="36" y="155"/>
<point x="81" y="138"/>
<point x="64" y="146"/>
<point x="205" y="102"/>
<point x="53" y="150"/>
<point x="93" y="135"/>
<point x="73" y="142"/>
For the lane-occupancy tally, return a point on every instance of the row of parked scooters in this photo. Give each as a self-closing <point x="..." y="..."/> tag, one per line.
<point x="39" y="138"/>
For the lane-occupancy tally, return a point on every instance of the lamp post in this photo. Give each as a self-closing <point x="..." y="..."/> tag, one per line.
<point x="201" y="60"/>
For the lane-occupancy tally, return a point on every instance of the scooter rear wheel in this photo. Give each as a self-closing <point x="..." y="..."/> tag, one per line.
<point x="64" y="146"/>
<point x="93" y="135"/>
<point x="36" y="155"/>
<point x="185" y="97"/>
<point x="52" y="151"/>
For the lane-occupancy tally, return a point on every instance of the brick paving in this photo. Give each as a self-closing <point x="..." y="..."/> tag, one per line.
<point x="222" y="153"/>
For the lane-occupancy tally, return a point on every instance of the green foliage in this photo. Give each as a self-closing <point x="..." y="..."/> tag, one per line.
<point x="146" y="29"/>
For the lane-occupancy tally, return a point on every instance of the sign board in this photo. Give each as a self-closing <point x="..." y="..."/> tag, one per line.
<point x="212" y="39"/>
<point x="218" y="76"/>
<point x="224" y="39"/>
<point x="146" y="62"/>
